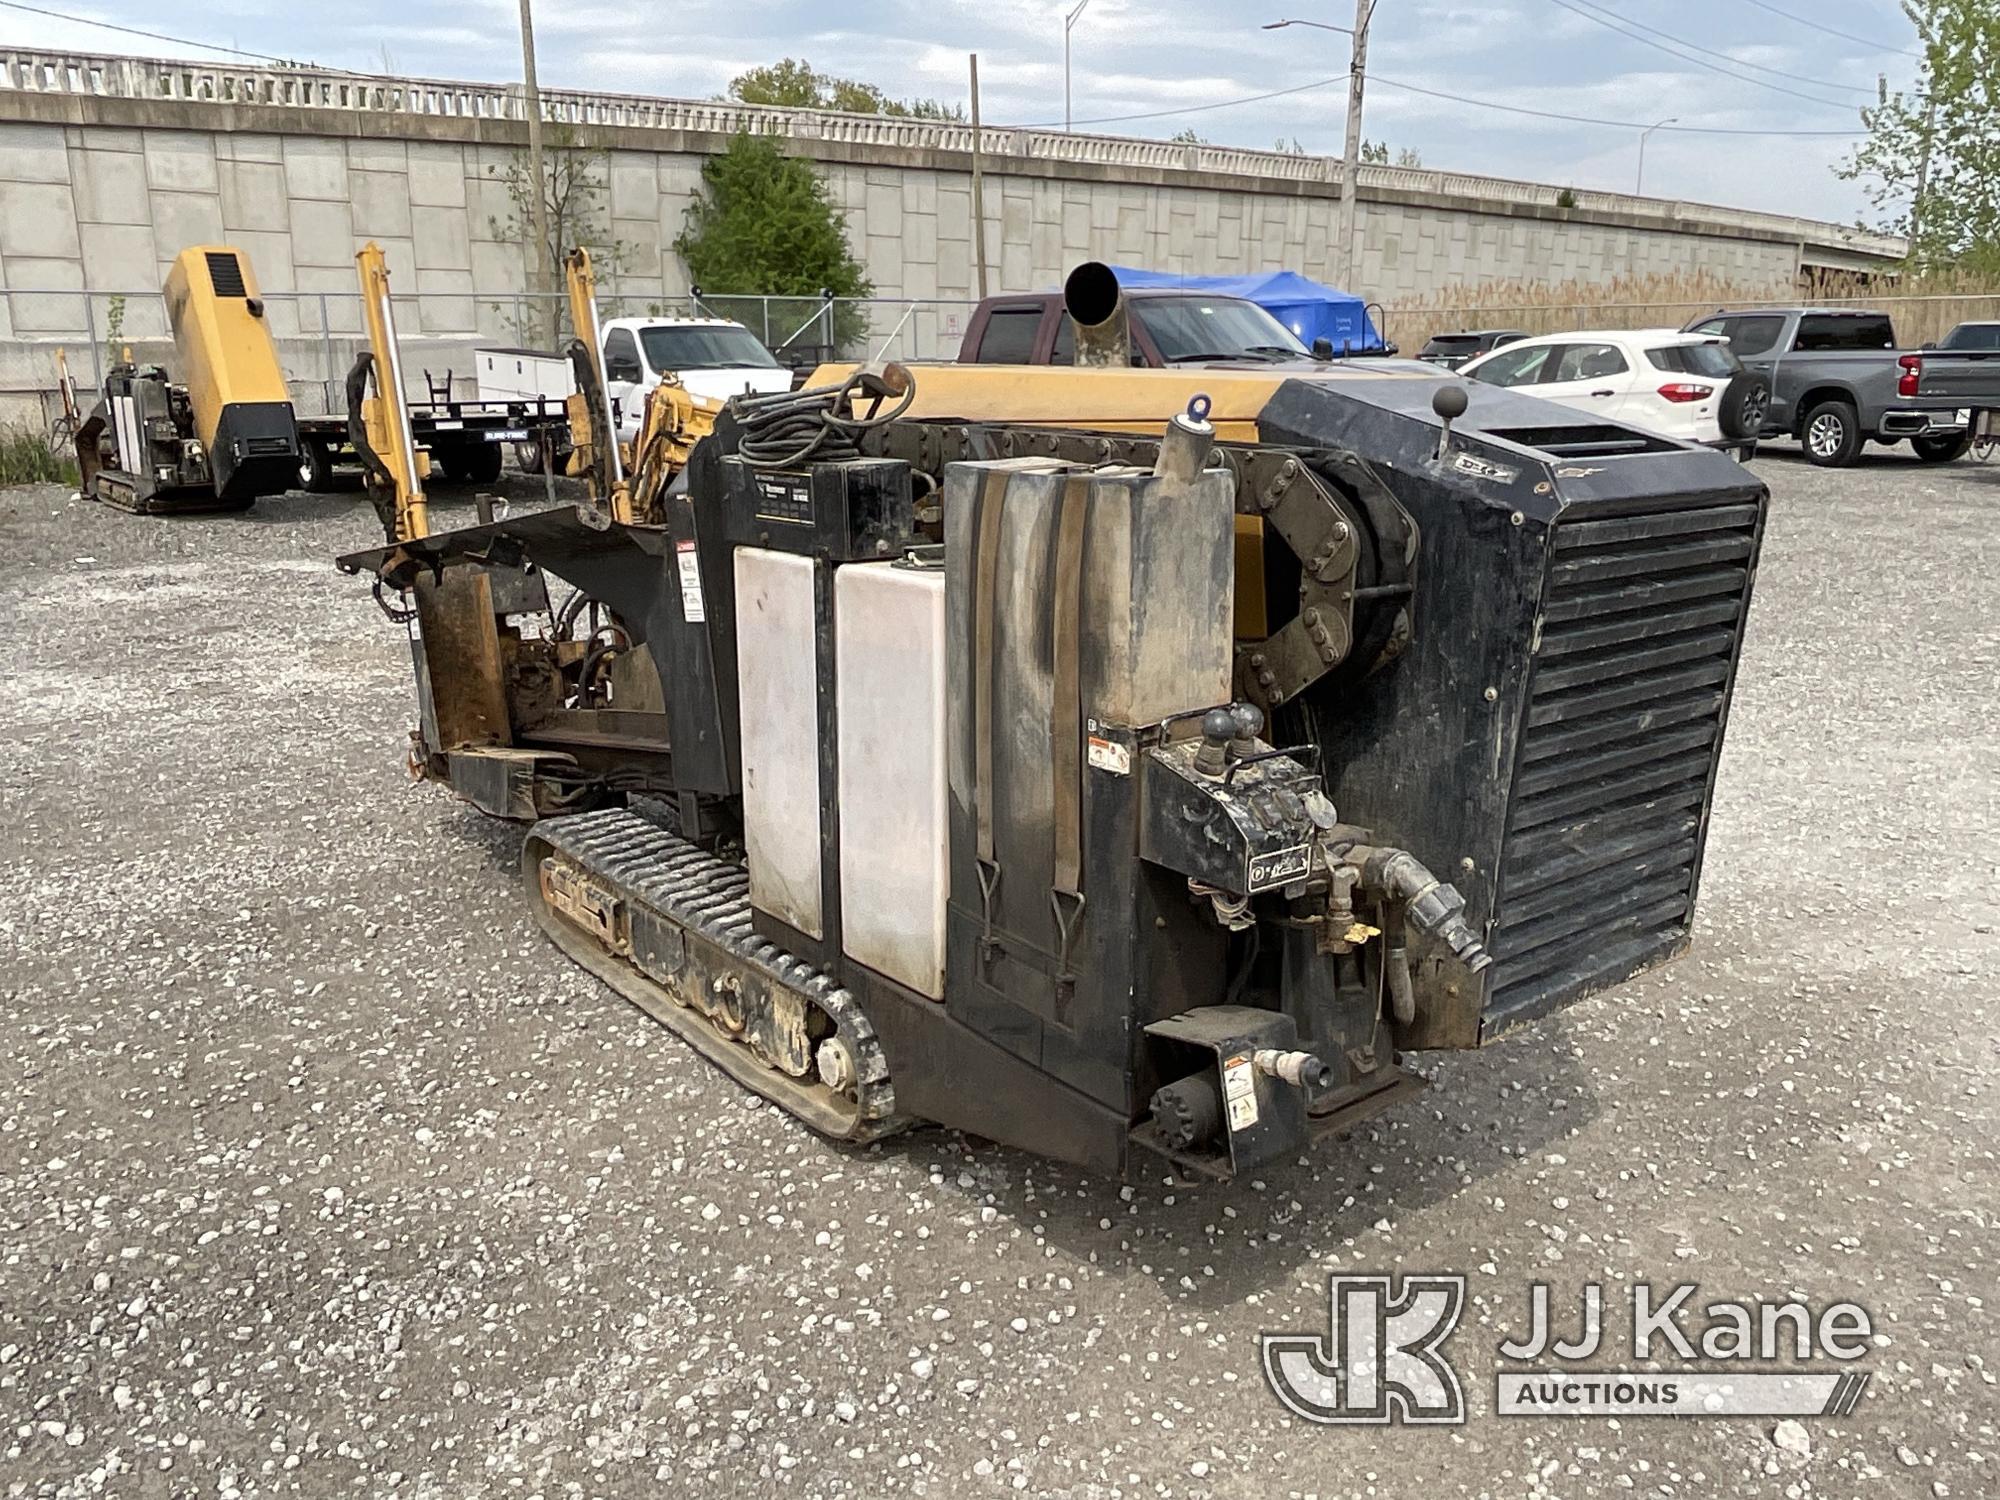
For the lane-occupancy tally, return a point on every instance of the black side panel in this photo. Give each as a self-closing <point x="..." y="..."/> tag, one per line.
<point x="256" y="450"/>
<point x="944" y="1071"/>
<point x="1417" y="750"/>
<point x="702" y="658"/>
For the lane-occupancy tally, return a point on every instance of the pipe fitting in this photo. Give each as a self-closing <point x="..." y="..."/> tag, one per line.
<point x="1185" y="447"/>
<point x="1435" y="907"/>
<point x="1302" y="1070"/>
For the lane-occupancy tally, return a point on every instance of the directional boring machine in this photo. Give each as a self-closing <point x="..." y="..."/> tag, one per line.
<point x="223" y="436"/>
<point x="1127" y="765"/>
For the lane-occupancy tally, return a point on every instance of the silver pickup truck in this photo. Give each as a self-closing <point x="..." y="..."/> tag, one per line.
<point x="1838" y="380"/>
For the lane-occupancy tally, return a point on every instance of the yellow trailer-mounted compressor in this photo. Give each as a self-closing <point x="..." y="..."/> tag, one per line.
<point x="225" y="433"/>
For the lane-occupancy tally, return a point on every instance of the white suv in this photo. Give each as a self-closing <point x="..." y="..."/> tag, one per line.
<point x="1679" y="385"/>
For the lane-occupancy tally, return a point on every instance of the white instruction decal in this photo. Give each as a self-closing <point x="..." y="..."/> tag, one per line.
<point x="1109" y="755"/>
<point x="1239" y="1088"/>
<point x="691" y="605"/>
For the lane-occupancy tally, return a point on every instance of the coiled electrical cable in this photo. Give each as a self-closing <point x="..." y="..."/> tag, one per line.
<point x="818" y="424"/>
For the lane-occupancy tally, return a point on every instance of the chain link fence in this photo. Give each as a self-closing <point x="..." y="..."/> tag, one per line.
<point x="318" y="335"/>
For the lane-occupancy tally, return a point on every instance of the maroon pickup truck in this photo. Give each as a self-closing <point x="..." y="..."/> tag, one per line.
<point x="1169" y="327"/>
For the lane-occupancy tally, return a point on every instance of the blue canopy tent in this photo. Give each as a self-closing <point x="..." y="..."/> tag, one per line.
<point x="1310" y="310"/>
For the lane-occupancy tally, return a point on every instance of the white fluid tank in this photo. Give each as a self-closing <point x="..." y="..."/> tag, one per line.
<point x="889" y="680"/>
<point x="778" y="705"/>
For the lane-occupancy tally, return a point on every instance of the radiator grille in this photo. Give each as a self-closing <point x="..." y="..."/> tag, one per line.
<point x="225" y="275"/>
<point x="1641" y="619"/>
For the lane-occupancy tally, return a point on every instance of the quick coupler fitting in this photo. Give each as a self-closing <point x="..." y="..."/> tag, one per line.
<point x="1434" y="907"/>
<point x="1440" y="912"/>
<point x="1301" y="1070"/>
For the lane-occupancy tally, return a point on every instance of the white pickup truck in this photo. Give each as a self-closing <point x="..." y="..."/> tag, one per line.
<point x="712" y="357"/>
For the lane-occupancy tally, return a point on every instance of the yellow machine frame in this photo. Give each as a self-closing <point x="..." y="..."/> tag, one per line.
<point x="580" y="277"/>
<point x="673" y="420"/>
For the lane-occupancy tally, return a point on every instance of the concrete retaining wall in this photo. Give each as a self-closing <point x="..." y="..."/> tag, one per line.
<point x="108" y="167"/>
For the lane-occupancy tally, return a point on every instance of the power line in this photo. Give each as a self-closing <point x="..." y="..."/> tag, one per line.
<point x="153" y="36"/>
<point x="1615" y="125"/>
<point x="1192" y="109"/>
<point x="1846" y="36"/>
<point x="1824" y="83"/>
<point x="1189" y="109"/>
<point x="1776" y="88"/>
<point x="1412" y="88"/>
<point x="1543" y="114"/>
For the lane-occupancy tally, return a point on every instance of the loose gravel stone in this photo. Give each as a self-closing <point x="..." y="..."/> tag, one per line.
<point x="322" y="1173"/>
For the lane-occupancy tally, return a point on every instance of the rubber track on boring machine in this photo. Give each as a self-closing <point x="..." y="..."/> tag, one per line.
<point x="678" y="941"/>
<point x="121" y="496"/>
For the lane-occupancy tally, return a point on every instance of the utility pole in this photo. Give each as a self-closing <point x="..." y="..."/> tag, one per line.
<point x="1639" y="181"/>
<point x="540" y="272"/>
<point x="1923" y="172"/>
<point x="978" y="185"/>
<point x="1069" y="22"/>
<point x="1350" y="171"/>
<point x="1350" y="174"/>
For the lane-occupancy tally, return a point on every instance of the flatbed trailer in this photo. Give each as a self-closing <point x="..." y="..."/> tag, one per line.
<point x="467" y="440"/>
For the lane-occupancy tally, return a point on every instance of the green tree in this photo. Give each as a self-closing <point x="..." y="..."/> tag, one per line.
<point x="1378" y="153"/>
<point x="1188" y="137"/>
<point x="763" y="225"/>
<point x="794" y="84"/>
<point x="1931" y="163"/>
<point x="114" y="327"/>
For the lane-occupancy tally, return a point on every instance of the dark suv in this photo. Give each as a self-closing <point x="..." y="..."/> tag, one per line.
<point x="1454" y="349"/>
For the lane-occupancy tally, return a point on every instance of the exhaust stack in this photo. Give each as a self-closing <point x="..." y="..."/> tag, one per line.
<point x="1097" y="312"/>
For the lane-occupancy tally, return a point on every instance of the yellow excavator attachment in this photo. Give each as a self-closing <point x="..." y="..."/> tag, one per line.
<point x="386" y="414"/>
<point x="676" y="419"/>
<point x="581" y="279"/>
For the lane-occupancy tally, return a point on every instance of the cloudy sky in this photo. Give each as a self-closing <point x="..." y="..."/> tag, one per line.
<point x="1744" y="65"/>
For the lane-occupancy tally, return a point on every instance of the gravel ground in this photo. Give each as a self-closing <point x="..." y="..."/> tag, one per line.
<point x="321" y="1172"/>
